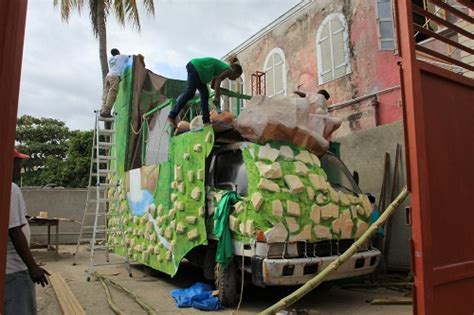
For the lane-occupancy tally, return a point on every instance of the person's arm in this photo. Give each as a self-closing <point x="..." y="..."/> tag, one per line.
<point x="216" y="85"/>
<point x="300" y="94"/>
<point x="37" y="274"/>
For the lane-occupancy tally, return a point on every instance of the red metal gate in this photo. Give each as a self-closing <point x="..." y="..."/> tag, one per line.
<point x="439" y="132"/>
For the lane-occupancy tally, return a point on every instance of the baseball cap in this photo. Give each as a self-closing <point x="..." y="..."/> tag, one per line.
<point x="19" y="155"/>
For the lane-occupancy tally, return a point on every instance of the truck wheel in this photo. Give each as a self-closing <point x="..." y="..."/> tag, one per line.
<point x="226" y="283"/>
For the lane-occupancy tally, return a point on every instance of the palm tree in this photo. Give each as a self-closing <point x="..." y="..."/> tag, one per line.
<point x="99" y="10"/>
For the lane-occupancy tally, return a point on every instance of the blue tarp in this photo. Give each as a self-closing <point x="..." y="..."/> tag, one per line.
<point x="199" y="296"/>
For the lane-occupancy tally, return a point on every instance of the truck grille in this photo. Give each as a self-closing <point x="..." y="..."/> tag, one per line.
<point x="323" y="248"/>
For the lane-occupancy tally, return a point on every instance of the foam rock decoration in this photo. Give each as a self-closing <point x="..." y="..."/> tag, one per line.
<point x="320" y="199"/>
<point x="136" y="220"/>
<point x="178" y="173"/>
<point x="366" y="204"/>
<point x="180" y="228"/>
<point x="242" y="228"/>
<point x="181" y="187"/>
<point x="238" y="207"/>
<point x="191" y="219"/>
<point x="333" y="194"/>
<point x="322" y="232"/>
<point x="234" y="223"/>
<point x="304" y="235"/>
<point x="200" y="174"/>
<point x="168" y="255"/>
<point x="267" y="153"/>
<point x="310" y="193"/>
<point x="156" y="250"/>
<point x="287" y="153"/>
<point x="173" y="197"/>
<point x="315" y="214"/>
<point x="168" y="232"/>
<point x="193" y="234"/>
<point x="270" y="171"/>
<point x="201" y="212"/>
<point x="300" y="168"/>
<point x="196" y="193"/>
<point x="277" y="234"/>
<point x="249" y="227"/>
<point x="145" y="255"/>
<point x="174" y="184"/>
<point x="318" y="182"/>
<point x="268" y="185"/>
<point x="293" y="208"/>
<point x="172" y="213"/>
<point x="277" y="208"/>
<point x="209" y="137"/>
<point x="172" y="224"/>
<point x="354" y="199"/>
<point x="153" y="237"/>
<point x="304" y="157"/>
<point x="190" y="176"/>
<point x="361" y="227"/>
<point x="316" y="160"/>
<point x="159" y="210"/>
<point x="257" y="200"/>
<point x="179" y="206"/>
<point x="197" y="147"/>
<point x="294" y="184"/>
<point x="343" y="199"/>
<point x="292" y="224"/>
<point x="186" y="156"/>
<point x="329" y="211"/>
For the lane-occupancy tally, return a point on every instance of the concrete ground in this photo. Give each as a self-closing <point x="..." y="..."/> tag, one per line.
<point x="155" y="290"/>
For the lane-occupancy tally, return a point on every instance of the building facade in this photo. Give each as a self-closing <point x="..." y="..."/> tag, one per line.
<point x="347" y="47"/>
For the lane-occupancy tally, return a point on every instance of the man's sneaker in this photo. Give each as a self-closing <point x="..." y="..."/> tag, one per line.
<point x="172" y="122"/>
<point x="105" y="114"/>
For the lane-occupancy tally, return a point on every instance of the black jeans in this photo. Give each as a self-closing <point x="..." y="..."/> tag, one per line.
<point x="194" y="83"/>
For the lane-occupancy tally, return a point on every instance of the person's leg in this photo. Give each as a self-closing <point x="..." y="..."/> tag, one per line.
<point x="20" y="295"/>
<point x="188" y="93"/>
<point x="105" y="92"/>
<point x="204" y="93"/>
<point x="112" y="94"/>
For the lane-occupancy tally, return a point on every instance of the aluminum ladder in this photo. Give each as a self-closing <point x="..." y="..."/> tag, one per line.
<point x="103" y="176"/>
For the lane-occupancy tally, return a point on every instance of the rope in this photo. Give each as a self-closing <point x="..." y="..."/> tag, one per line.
<point x="241" y="281"/>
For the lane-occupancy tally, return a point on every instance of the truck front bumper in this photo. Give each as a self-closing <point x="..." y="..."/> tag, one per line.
<point x="295" y="271"/>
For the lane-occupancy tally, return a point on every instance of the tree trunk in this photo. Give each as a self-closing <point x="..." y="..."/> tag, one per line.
<point x="102" y="34"/>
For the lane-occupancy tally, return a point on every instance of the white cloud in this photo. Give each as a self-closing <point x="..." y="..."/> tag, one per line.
<point x="61" y="70"/>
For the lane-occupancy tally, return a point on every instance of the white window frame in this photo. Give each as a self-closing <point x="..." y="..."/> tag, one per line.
<point x="267" y="67"/>
<point x="379" y="20"/>
<point x="345" y="37"/>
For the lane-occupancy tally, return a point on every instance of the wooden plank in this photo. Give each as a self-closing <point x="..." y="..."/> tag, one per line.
<point x="445" y="40"/>
<point x="445" y="58"/>
<point x="66" y="299"/>
<point x="452" y="10"/>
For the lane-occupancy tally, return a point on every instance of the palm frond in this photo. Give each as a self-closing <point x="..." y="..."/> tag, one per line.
<point x="149" y="6"/>
<point x="93" y="16"/>
<point x="132" y="13"/>
<point x="119" y="10"/>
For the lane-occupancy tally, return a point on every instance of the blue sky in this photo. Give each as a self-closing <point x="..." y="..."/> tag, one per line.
<point x="61" y="71"/>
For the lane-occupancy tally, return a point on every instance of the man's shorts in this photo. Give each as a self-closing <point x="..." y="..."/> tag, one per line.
<point x="20" y="295"/>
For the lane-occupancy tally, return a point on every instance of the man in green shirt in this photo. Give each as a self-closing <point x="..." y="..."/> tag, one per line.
<point x="202" y="71"/>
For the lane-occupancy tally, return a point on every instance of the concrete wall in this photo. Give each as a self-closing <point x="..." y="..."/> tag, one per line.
<point x="364" y="152"/>
<point x="64" y="203"/>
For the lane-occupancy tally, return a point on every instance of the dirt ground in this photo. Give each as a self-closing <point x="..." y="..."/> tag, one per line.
<point x="154" y="288"/>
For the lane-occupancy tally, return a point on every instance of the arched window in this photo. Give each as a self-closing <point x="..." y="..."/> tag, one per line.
<point x="332" y="43"/>
<point x="275" y="73"/>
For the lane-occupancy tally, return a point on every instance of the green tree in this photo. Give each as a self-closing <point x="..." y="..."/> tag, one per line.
<point x="57" y="155"/>
<point x="99" y="11"/>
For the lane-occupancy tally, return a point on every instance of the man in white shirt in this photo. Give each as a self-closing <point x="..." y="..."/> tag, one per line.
<point x="117" y="64"/>
<point x="22" y="272"/>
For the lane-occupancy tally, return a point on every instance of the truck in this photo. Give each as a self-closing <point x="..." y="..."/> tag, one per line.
<point x="294" y="214"/>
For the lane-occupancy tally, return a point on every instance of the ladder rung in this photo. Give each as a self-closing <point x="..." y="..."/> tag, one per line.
<point x="109" y="263"/>
<point x="106" y="157"/>
<point x="107" y="230"/>
<point x="105" y="132"/>
<point x="91" y="226"/>
<point x="104" y="145"/>
<point x="88" y="239"/>
<point x="103" y="185"/>
<point x="106" y="118"/>
<point x="103" y="200"/>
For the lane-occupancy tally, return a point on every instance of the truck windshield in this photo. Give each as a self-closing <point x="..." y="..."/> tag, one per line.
<point x="338" y="174"/>
<point x="230" y="172"/>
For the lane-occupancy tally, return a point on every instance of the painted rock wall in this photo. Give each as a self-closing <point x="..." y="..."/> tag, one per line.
<point x="289" y="199"/>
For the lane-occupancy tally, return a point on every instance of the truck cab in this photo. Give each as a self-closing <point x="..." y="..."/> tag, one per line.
<point x="286" y="263"/>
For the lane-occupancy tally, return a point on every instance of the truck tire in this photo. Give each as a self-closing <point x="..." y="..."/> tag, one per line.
<point x="226" y="283"/>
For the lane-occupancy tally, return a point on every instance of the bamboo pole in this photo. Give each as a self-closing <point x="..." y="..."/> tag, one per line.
<point x="147" y="308"/>
<point x="110" y="301"/>
<point x="313" y="283"/>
